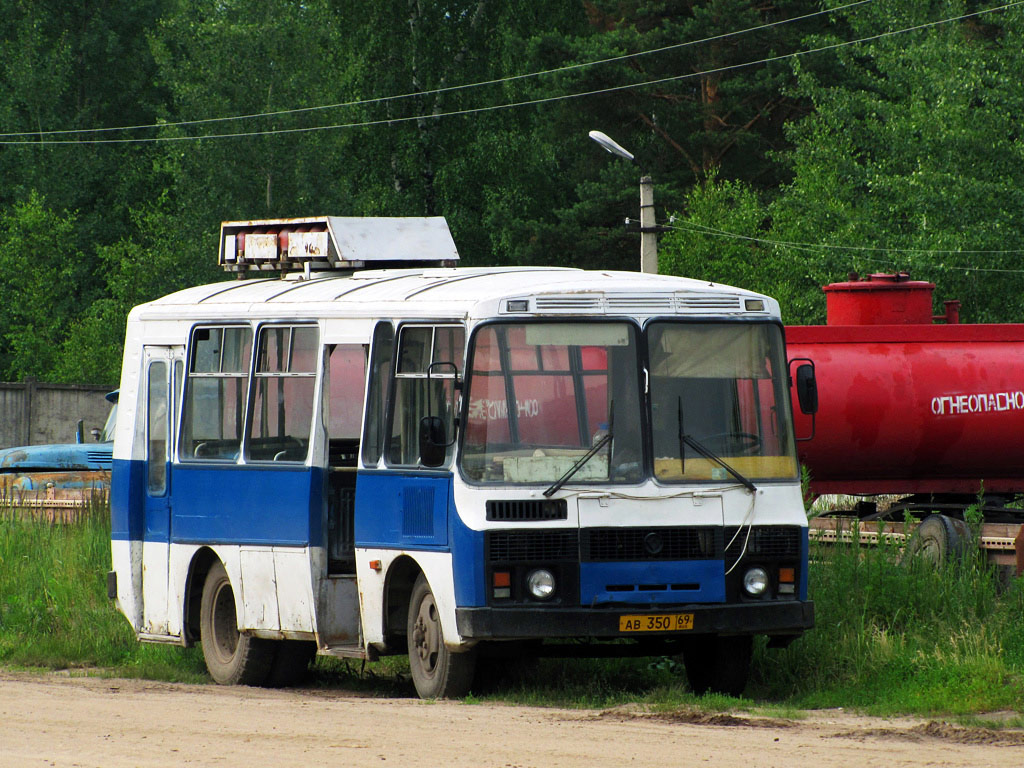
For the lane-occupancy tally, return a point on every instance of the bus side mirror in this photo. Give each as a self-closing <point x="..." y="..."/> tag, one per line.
<point x="433" y="441"/>
<point x="807" y="388"/>
<point x="806" y="391"/>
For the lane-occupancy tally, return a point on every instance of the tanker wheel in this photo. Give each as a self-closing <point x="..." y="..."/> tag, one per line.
<point x="744" y="442"/>
<point x="717" y="664"/>
<point x="231" y="657"/>
<point x="938" y="539"/>
<point x="437" y="671"/>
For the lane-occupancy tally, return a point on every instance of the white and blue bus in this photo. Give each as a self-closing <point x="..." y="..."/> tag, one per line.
<point x="461" y="464"/>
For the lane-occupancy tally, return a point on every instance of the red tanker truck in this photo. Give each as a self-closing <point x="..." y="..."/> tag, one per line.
<point x="914" y="405"/>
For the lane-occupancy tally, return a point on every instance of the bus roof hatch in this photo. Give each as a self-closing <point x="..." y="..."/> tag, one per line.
<point x="335" y="242"/>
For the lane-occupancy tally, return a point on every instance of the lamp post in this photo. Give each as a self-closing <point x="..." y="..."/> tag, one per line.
<point x="648" y="229"/>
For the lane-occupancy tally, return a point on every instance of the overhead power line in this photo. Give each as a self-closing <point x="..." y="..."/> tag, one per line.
<point x="711" y="231"/>
<point x="859" y="250"/>
<point x="524" y="103"/>
<point x="437" y="91"/>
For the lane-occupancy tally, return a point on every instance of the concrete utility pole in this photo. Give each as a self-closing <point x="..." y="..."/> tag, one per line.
<point x="648" y="226"/>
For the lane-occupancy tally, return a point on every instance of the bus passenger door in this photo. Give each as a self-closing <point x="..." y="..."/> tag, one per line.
<point x="162" y="368"/>
<point x="343" y="396"/>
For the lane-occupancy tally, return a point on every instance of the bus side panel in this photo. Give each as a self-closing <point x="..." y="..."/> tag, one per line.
<point x="127" y="480"/>
<point x="402" y="510"/>
<point x="804" y="561"/>
<point x="258" y="589"/>
<point x="295" y="590"/>
<point x="436" y="567"/>
<point x="403" y="513"/>
<point x="467" y="562"/>
<point x="127" y="524"/>
<point x="247" y="505"/>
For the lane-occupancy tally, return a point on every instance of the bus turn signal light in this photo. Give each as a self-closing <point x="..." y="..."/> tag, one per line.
<point x="502" y="584"/>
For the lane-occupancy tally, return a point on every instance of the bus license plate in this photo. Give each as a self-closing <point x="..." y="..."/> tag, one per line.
<point x="656" y="622"/>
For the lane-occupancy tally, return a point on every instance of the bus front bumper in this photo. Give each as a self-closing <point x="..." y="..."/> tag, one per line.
<point x="778" y="618"/>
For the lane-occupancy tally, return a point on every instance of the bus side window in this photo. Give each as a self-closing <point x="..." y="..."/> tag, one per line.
<point x="416" y="395"/>
<point x="380" y="383"/>
<point x="282" y="400"/>
<point x="214" y="407"/>
<point x="156" y="428"/>
<point x="344" y="403"/>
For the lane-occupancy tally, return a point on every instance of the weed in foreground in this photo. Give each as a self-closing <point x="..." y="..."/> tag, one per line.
<point x="902" y="637"/>
<point x="889" y="638"/>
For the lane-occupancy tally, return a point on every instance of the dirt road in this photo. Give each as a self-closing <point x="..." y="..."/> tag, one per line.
<point x="60" y="721"/>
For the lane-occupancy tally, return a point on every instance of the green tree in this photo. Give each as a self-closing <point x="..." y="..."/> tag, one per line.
<point x="917" y="159"/>
<point x="704" y="116"/>
<point x="904" y="163"/>
<point x="36" y="305"/>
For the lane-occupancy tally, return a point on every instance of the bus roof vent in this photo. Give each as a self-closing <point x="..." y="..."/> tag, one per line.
<point x="562" y="303"/>
<point x="642" y="305"/>
<point x="689" y="304"/>
<point x="335" y="242"/>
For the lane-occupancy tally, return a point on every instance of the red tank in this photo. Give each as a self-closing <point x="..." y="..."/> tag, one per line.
<point x="907" y="405"/>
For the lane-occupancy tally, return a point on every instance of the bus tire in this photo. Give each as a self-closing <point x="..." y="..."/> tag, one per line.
<point x="437" y="671"/>
<point x="231" y="657"/>
<point x="718" y="664"/>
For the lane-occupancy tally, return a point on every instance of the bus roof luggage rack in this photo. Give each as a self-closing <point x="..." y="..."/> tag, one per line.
<point x="335" y="242"/>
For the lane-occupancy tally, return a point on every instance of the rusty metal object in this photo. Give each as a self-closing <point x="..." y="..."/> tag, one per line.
<point x="1002" y="543"/>
<point x="46" y="501"/>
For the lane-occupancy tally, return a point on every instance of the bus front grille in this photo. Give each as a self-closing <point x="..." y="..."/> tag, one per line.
<point x="527" y="546"/>
<point x="526" y="510"/>
<point x="637" y="544"/>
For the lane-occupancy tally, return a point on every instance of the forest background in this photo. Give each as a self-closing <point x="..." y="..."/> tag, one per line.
<point x="790" y="142"/>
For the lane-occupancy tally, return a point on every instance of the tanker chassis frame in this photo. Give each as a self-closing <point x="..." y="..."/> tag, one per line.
<point x="939" y="535"/>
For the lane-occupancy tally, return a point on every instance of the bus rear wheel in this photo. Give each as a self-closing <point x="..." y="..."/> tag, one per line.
<point x="231" y="657"/>
<point x="437" y="671"/>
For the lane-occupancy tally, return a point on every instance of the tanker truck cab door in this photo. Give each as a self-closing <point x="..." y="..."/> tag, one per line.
<point x="161" y="377"/>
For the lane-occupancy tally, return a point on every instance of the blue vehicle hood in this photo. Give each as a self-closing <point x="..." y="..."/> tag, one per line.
<point x="60" y="456"/>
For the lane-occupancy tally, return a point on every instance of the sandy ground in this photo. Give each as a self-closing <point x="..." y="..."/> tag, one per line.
<point x="61" y="721"/>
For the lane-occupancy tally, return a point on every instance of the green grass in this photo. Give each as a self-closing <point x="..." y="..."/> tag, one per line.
<point x="903" y="637"/>
<point x="890" y="638"/>
<point x="54" y="610"/>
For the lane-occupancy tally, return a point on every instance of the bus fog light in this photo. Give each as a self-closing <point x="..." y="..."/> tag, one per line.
<point x="755" y="581"/>
<point x="541" y="584"/>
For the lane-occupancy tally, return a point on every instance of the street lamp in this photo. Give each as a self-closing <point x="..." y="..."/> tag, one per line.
<point x="648" y="229"/>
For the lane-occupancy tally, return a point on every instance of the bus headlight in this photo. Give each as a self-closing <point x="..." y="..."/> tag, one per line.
<point x="755" y="581"/>
<point x="541" y="584"/>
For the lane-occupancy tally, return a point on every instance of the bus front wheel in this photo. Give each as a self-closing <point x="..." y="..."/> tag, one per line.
<point x="437" y="671"/>
<point x="231" y="657"/>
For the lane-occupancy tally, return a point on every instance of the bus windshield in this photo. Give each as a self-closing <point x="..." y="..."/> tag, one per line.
<point x="719" y="386"/>
<point x="541" y="395"/>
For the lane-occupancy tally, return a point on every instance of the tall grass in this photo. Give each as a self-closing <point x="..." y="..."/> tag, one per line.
<point x="54" y="610"/>
<point x="889" y="637"/>
<point x="903" y="636"/>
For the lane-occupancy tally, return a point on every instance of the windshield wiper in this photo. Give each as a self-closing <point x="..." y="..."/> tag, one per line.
<point x="601" y="443"/>
<point x="707" y="454"/>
